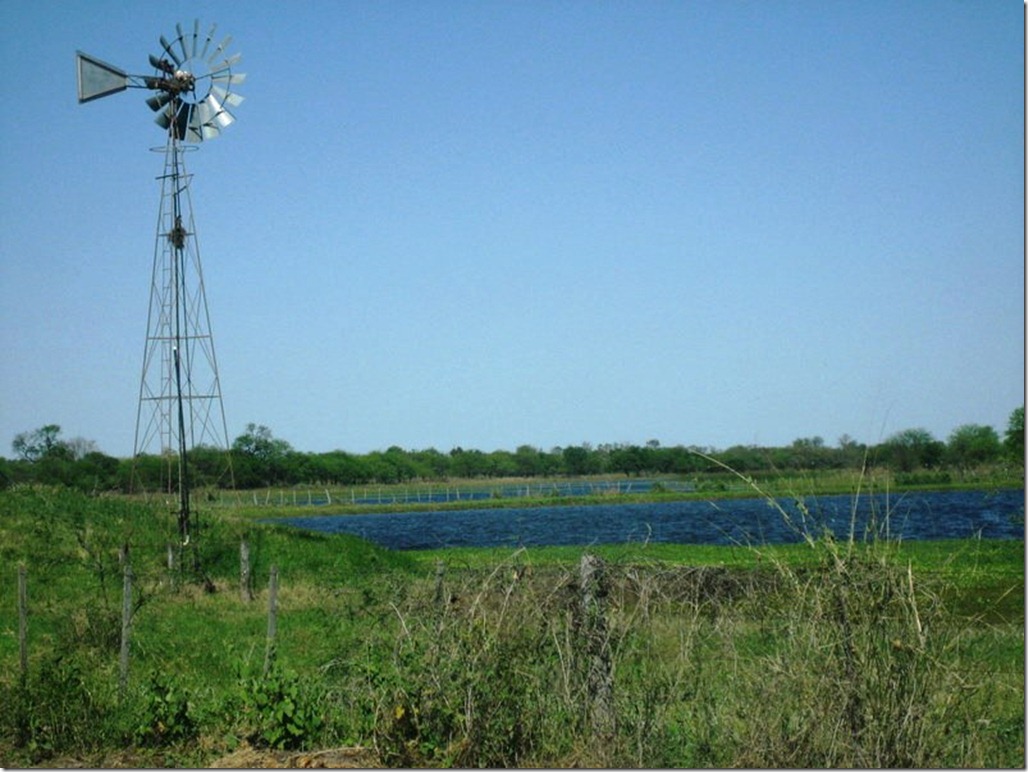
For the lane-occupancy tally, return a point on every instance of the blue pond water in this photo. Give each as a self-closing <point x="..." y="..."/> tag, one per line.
<point x="912" y="516"/>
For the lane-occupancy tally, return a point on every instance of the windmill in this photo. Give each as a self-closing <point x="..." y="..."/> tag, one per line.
<point x="180" y="407"/>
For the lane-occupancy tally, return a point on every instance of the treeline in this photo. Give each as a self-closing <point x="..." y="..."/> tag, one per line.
<point x="258" y="459"/>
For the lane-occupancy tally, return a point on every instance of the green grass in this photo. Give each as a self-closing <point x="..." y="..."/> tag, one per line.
<point x="814" y="654"/>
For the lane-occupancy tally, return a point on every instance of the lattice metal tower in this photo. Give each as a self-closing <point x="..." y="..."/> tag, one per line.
<point x="180" y="404"/>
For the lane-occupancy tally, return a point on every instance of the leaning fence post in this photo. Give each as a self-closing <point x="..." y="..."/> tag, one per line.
<point x="23" y="623"/>
<point x="126" y="623"/>
<point x="596" y="643"/>
<point x="269" y="651"/>
<point x="245" y="581"/>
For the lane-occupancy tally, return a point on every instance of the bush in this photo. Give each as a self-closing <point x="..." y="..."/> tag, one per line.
<point x="472" y="682"/>
<point x="853" y="680"/>
<point x="284" y="710"/>
<point x="165" y="716"/>
<point x="62" y="707"/>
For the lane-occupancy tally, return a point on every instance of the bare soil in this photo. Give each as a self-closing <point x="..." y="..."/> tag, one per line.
<point x="334" y="758"/>
<point x="244" y="757"/>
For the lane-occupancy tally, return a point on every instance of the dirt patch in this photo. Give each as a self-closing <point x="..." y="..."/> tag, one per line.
<point x="242" y="758"/>
<point x="333" y="758"/>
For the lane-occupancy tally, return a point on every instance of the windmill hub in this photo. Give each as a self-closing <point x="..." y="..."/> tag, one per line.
<point x="181" y="82"/>
<point x="185" y="80"/>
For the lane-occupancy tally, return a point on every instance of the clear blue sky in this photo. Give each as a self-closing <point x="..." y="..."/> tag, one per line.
<point x="487" y="224"/>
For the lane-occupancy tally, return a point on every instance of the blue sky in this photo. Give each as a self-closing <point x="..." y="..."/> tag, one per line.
<point x="488" y="224"/>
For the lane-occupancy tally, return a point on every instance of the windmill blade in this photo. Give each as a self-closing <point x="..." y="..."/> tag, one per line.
<point x="205" y="111"/>
<point x="181" y="40"/>
<point x="231" y="99"/>
<point x="196" y="36"/>
<point x="167" y="49"/>
<point x="161" y="64"/>
<point x="226" y="64"/>
<point x="182" y="120"/>
<point x="159" y="100"/>
<point x="217" y="51"/>
<point x="194" y="129"/>
<point x="163" y="118"/>
<point x="207" y="43"/>
<point x="213" y="114"/>
<point x="224" y="119"/>
<point x="233" y="79"/>
<point x="168" y="117"/>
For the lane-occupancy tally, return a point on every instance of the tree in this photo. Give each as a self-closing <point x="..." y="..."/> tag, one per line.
<point x="501" y="463"/>
<point x="258" y="441"/>
<point x="809" y="453"/>
<point x="468" y="463"/>
<point x="912" y="449"/>
<point x="80" y="447"/>
<point x="40" y="443"/>
<point x="743" y="458"/>
<point x="528" y="461"/>
<point x="972" y="444"/>
<point x="576" y="461"/>
<point x="260" y="457"/>
<point x="627" y="459"/>
<point x="851" y="452"/>
<point x="1013" y="439"/>
<point x="95" y="472"/>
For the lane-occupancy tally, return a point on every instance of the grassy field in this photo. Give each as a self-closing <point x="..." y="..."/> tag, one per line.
<point x="823" y="654"/>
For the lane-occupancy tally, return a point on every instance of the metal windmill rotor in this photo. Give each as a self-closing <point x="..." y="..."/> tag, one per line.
<point x="193" y="83"/>
<point x="180" y="405"/>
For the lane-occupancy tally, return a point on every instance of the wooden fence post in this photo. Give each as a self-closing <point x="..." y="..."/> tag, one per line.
<point x="126" y="624"/>
<point x="269" y="651"/>
<point x="245" y="580"/>
<point x="599" y="677"/>
<point x="23" y="623"/>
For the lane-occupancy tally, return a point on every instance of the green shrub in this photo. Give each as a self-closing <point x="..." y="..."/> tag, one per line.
<point x="62" y="707"/>
<point x="165" y="716"/>
<point x="284" y="709"/>
<point x="471" y="681"/>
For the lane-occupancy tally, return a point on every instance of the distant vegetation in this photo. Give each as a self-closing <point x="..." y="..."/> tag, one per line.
<point x="258" y="459"/>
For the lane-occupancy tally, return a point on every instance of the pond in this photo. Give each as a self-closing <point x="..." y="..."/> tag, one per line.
<point x="909" y="516"/>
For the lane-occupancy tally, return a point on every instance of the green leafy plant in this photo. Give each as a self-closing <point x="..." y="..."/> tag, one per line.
<point x="284" y="708"/>
<point x="165" y="717"/>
